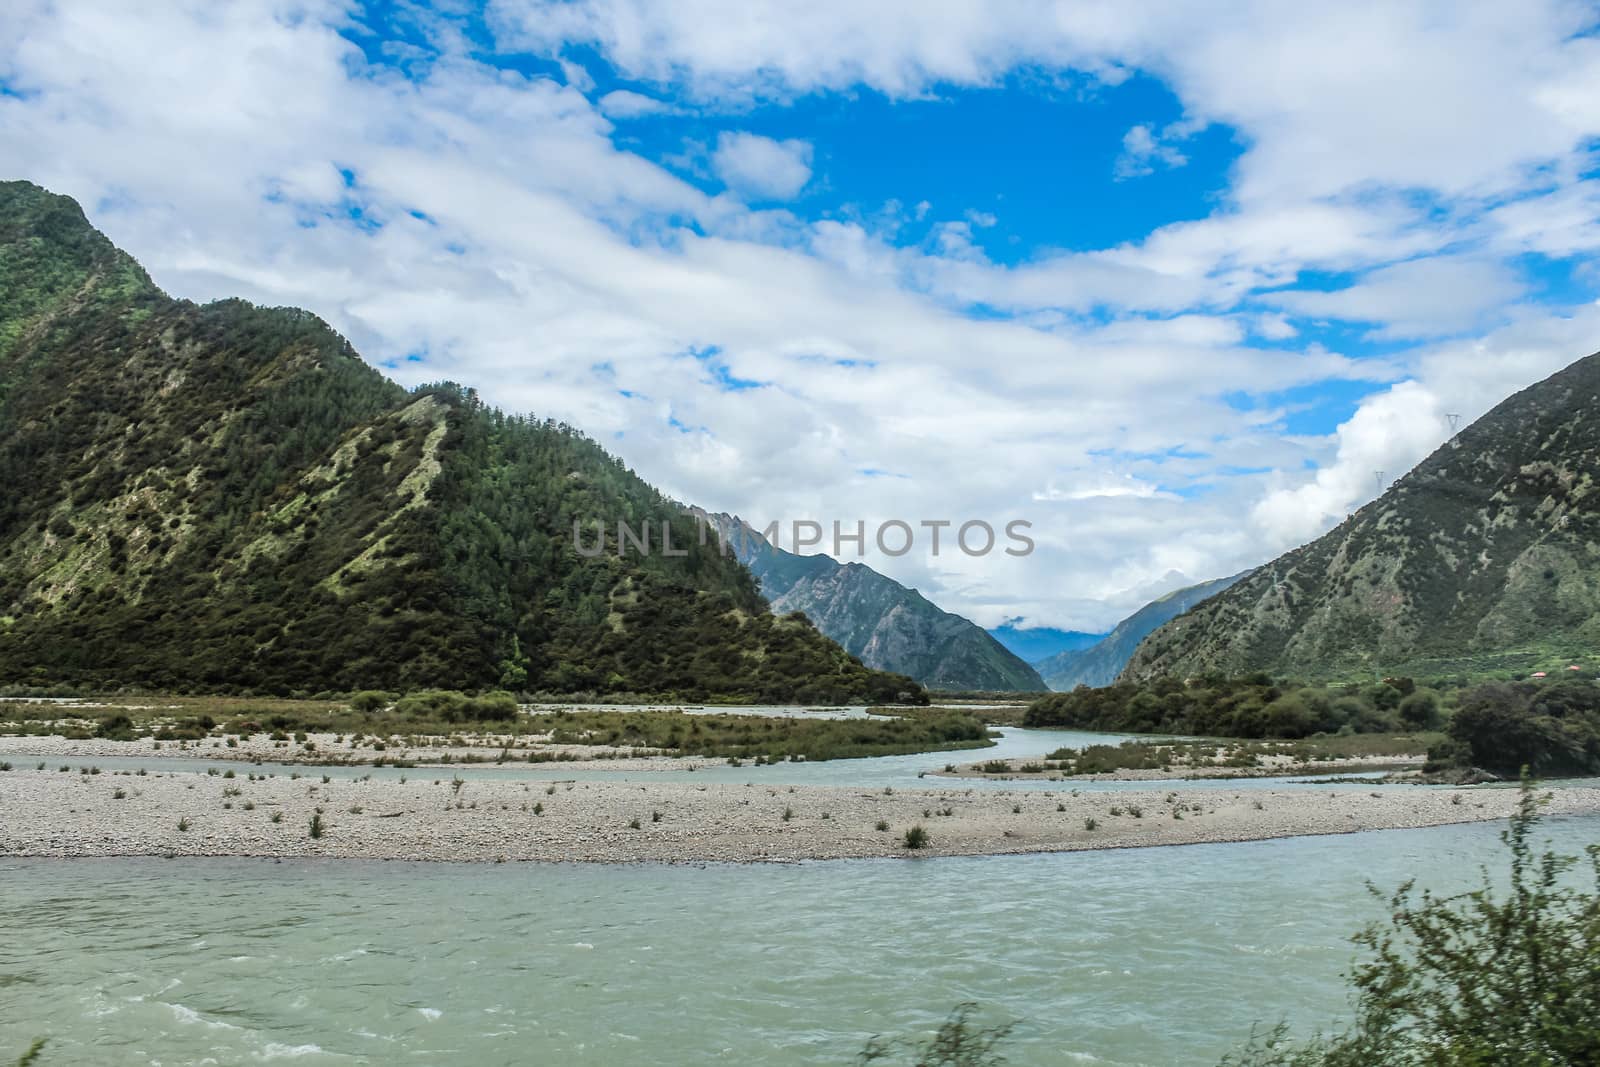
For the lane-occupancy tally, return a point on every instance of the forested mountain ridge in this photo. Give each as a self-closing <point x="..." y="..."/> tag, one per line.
<point x="227" y="497"/>
<point x="880" y="621"/>
<point x="1100" y="664"/>
<point x="1485" y="557"/>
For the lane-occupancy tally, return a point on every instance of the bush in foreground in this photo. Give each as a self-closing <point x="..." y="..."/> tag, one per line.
<point x="1484" y="977"/>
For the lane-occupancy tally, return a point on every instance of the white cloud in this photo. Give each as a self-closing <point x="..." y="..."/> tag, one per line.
<point x="1393" y="430"/>
<point x="1388" y="434"/>
<point x="1420" y="298"/>
<point x="1143" y="152"/>
<point x="1333" y="95"/>
<point x="625" y="104"/>
<point x="576" y="75"/>
<point x="558" y="271"/>
<point x="761" y="167"/>
<point x="1128" y="486"/>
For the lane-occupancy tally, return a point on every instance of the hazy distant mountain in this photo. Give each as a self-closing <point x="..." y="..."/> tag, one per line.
<point x="226" y="497"/>
<point x="1041" y="642"/>
<point x="1101" y="663"/>
<point x="1484" y="557"/>
<point x="880" y="621"/>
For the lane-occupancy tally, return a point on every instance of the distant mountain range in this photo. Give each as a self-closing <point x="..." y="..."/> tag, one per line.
<point x="1484" y="557"/>
<point x="880" y="621"/>
<point x="1100" y="663"/>
<point x="225" y="497"/>
<point x="1041" y="642"/>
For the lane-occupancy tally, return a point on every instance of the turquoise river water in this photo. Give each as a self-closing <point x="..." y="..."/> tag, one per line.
<point x="1143" y="956"/>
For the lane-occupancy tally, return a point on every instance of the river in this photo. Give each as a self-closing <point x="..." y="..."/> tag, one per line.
<point x="1146" y="956"/>
<point x="1149" y="956"/>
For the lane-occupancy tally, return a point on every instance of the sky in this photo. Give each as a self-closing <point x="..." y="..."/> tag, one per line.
<point x="1172" y="282"/>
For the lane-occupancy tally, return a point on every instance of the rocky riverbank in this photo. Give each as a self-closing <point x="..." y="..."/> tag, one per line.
<point x="437" y="816"/>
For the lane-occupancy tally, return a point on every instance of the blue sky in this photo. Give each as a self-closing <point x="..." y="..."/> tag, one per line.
<point x="1169" y="285"/>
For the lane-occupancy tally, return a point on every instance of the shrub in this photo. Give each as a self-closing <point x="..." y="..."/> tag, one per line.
<point x="370" y="700"/>
<point x="1420" y="710"/>
<point x="957" y="1043"/>
<point x="916" y="838"/>
<point x="115" y="728"/>
<point x="1482" y="977"/>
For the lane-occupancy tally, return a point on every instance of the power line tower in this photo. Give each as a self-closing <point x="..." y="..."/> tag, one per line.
<point x="1377" y="476"/>
<point x="1455" y="419"/>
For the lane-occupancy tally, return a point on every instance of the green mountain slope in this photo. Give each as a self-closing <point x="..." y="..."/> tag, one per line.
<point x="226" y="497"/>
<point x="1100" y="664"/>
<point x="1484" y="557"/>
<point x="880" y="621"/>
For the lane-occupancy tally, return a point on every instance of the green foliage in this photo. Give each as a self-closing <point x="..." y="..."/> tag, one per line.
<point x="1250" y="706"/>
<point x="370" y="700"/>
<point x="1551" y="728"/>
<point x="1230" y="756"/>
<point x="117" y="727"/>
<point x="451" y="707"/>
<point x="957" y="1043"/>
<point x="1420" y="710"/>
<point x="31" y="1056"/>
<point x="916" y="838"/>
<point x="227" y="499"/>
<point x="761" y="736"/>
<point x="1487" y="977"/>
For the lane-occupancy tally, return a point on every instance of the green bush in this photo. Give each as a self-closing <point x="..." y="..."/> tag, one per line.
<point x="1253" y="706"/>
<point x="370" y="700"/>
<point x="1481" y="978"/>
<point x="117" y="727"/>
<point x="1551" y="729"/>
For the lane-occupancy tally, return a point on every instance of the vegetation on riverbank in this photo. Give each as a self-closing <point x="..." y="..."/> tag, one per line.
<point x="1552" y="728"/>
<point x="994" y="715"/>
<point x="1252" y="706"/>
<point x="495" y="719"/>
<point x="1231" y="755"/>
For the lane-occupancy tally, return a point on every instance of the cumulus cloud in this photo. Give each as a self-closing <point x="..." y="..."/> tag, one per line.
<point x="1143" y="152"/>
<point x="494" y="222"/>
<point x="760" y="167"/>
<point x="626" y="104"/>
<point x="1388" y="434"/>
<point x="1419" y="298"/>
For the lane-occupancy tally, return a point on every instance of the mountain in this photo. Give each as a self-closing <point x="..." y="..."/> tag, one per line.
<point x="1101" y="663"/>
<point x="1484" y="557"/>
<point x="226" y="498"/>
<point x="1041" y="642"/>
<point x="878" y="620"/>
